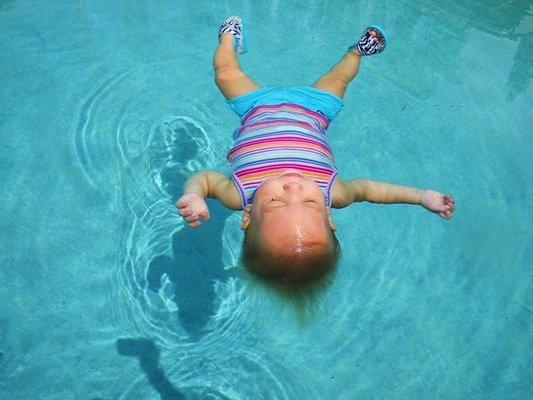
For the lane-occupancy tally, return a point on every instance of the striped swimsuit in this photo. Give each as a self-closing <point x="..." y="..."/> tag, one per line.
<point x="273" y="138"/>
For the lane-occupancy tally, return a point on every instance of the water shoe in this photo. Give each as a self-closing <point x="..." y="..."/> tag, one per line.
<point x="233" y="25"/>
<point x="372" y="42"/>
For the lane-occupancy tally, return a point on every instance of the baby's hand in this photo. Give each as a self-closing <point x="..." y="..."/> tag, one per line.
<point x="438" y="203"/>
<point x="192" y="207"/>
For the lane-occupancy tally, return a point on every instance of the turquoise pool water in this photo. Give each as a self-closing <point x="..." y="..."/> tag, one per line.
<point x="106" y="107"/>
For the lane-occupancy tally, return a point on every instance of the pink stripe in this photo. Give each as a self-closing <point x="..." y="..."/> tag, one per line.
<point x="247" y="185"/>
<point x="258" y="152"/>
<point x="278" y="139"/>
<point x="279" y="122"/>
<point x="255" y="142"/>
<point x="285" y="165"/>
<point x="244" y="172"/>
<point x="289" y="106"/>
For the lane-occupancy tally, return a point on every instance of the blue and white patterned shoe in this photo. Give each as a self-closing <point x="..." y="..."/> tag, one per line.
<point x="233" y="25"/>
<point x="370" y="44"/>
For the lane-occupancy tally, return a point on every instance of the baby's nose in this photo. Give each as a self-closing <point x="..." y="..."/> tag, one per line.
<point x="292" y="186"/>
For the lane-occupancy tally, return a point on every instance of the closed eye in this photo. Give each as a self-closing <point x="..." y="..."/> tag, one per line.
<point x="274" y="199"/>
<point x="279" y="201"/>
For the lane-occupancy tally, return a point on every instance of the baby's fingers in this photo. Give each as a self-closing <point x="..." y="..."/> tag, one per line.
<point x="184" y="212"/>
<point x="448" y="200"/>
<point x="448" y="214"/>
<point x="193" y="221"/>
<point x="181" y="203"/>
<point x="191" y="218"/>
<point x="450" y="203"/>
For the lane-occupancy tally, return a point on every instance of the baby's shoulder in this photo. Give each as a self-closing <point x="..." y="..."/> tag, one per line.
<point x="226" y="191"/>
<point x="341" y="195"/>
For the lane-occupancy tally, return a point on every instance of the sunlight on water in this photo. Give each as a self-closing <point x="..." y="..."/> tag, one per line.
<point x="108" y="108"/>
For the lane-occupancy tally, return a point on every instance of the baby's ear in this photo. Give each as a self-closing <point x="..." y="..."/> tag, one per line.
<point x="247" y="213"/>
<point x="330" y="220"/>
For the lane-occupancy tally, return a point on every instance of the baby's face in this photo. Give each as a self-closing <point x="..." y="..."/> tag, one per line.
<point x="292" y="209"/>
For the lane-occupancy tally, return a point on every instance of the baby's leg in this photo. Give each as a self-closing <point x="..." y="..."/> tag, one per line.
<point x="229" y="77"/>
<point x="337" y="79"/>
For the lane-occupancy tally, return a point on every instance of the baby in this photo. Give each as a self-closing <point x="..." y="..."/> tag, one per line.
<point x="283" y="176"/>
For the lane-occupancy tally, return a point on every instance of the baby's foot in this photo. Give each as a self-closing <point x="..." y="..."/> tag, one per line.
<point x="371" y="42"/>
<point x="234" y="26"/>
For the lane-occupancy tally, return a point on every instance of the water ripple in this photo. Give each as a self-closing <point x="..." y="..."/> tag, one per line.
<point x="137" y="150"/>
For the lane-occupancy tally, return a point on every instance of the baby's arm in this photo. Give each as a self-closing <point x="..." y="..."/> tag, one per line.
<point x="191" y="205"/>
<point x="347" y="192"/>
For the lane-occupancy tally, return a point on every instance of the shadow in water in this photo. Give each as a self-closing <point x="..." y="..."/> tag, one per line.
<point x="148" y="355"/>
<point x="193" y="268"/>
<point x="196" y="259"/>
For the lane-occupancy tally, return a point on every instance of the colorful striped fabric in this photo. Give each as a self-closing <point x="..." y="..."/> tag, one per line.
<point x="273" y="138"/>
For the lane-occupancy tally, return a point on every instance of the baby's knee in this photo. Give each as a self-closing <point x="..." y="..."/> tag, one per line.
<point x="228" y="73"/>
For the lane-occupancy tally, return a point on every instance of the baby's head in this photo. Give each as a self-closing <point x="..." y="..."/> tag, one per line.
<point x="289" y="240"/>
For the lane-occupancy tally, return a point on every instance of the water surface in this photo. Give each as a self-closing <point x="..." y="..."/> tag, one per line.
<point x="106" y="108"/>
